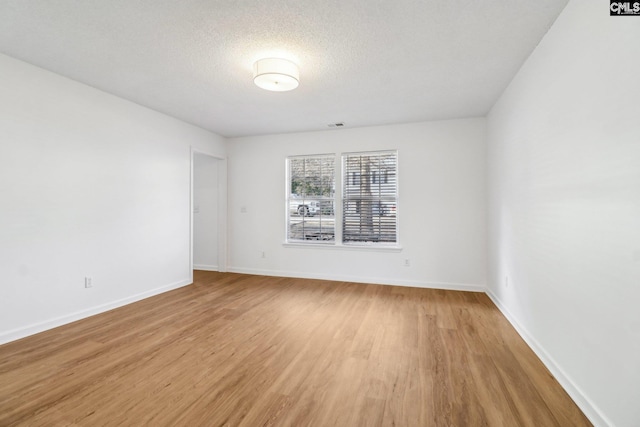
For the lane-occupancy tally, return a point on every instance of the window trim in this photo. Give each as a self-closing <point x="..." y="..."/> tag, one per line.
<point x="395" y="244"/>
<point x="337" y="243"/>
<point x="288" y="194"/>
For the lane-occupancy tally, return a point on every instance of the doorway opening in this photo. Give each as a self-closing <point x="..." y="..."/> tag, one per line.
<point x="208" y="212"/>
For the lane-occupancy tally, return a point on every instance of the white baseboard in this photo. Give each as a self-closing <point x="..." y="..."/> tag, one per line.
<point x="361" y="279"/>
<point x="591" y="411"/>
<point x="206" y="267"/>
<point x="19" y="333"/>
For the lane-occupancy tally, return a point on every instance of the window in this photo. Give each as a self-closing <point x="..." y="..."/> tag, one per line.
<point x="311" y="198"/>
<point x="370" y="197"/>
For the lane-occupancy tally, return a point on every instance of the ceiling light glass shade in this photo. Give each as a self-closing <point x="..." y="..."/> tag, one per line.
<point x="276" y="74"/>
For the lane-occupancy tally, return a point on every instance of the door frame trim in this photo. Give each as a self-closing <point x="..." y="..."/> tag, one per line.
<point x="222" y="210"/>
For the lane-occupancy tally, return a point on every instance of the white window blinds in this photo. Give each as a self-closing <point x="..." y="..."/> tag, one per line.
<point x="369" y="197"/>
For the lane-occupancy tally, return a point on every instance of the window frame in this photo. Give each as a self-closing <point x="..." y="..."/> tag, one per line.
<point x="288" y="199"/>
<point x="338" y="197"/>
<point x="376" y="178"/>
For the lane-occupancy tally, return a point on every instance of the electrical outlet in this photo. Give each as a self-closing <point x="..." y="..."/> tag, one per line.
<point x="407" y="263"/>
<point x="263" y="254"/>
<point x="88" y="282"/>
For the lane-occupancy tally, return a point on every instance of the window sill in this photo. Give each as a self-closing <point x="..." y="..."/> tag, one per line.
<point x="336" y="246"/>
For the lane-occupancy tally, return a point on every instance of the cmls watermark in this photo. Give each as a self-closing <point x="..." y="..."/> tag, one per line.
<point x="623" y="8"/>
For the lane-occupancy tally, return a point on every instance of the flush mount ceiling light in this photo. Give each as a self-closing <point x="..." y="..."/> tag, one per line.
<point x="275" y="74"/>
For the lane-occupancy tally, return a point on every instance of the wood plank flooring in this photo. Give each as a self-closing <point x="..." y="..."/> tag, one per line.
<point x="240" y="350"/>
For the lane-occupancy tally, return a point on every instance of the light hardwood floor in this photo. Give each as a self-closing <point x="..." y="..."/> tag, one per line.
<point x="239" y="350"/>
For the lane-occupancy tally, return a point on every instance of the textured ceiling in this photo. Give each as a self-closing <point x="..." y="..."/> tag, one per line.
<point x="362" y="62"/>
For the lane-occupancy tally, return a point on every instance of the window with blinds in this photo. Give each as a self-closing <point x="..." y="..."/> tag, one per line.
<point x="369" y="197"/>
<point x="311" y="199"/>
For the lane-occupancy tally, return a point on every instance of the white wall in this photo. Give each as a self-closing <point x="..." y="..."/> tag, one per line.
<point x="205" y="212"/>
<point x="564" y="207"/>
<point x="442" y="205"/>
<point x="90" y="185"/>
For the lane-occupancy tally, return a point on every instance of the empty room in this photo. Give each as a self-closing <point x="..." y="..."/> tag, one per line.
<point x="304" y="213"/>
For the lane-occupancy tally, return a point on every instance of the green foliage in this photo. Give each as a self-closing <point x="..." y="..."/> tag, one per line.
<point x="312" y="176"/>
